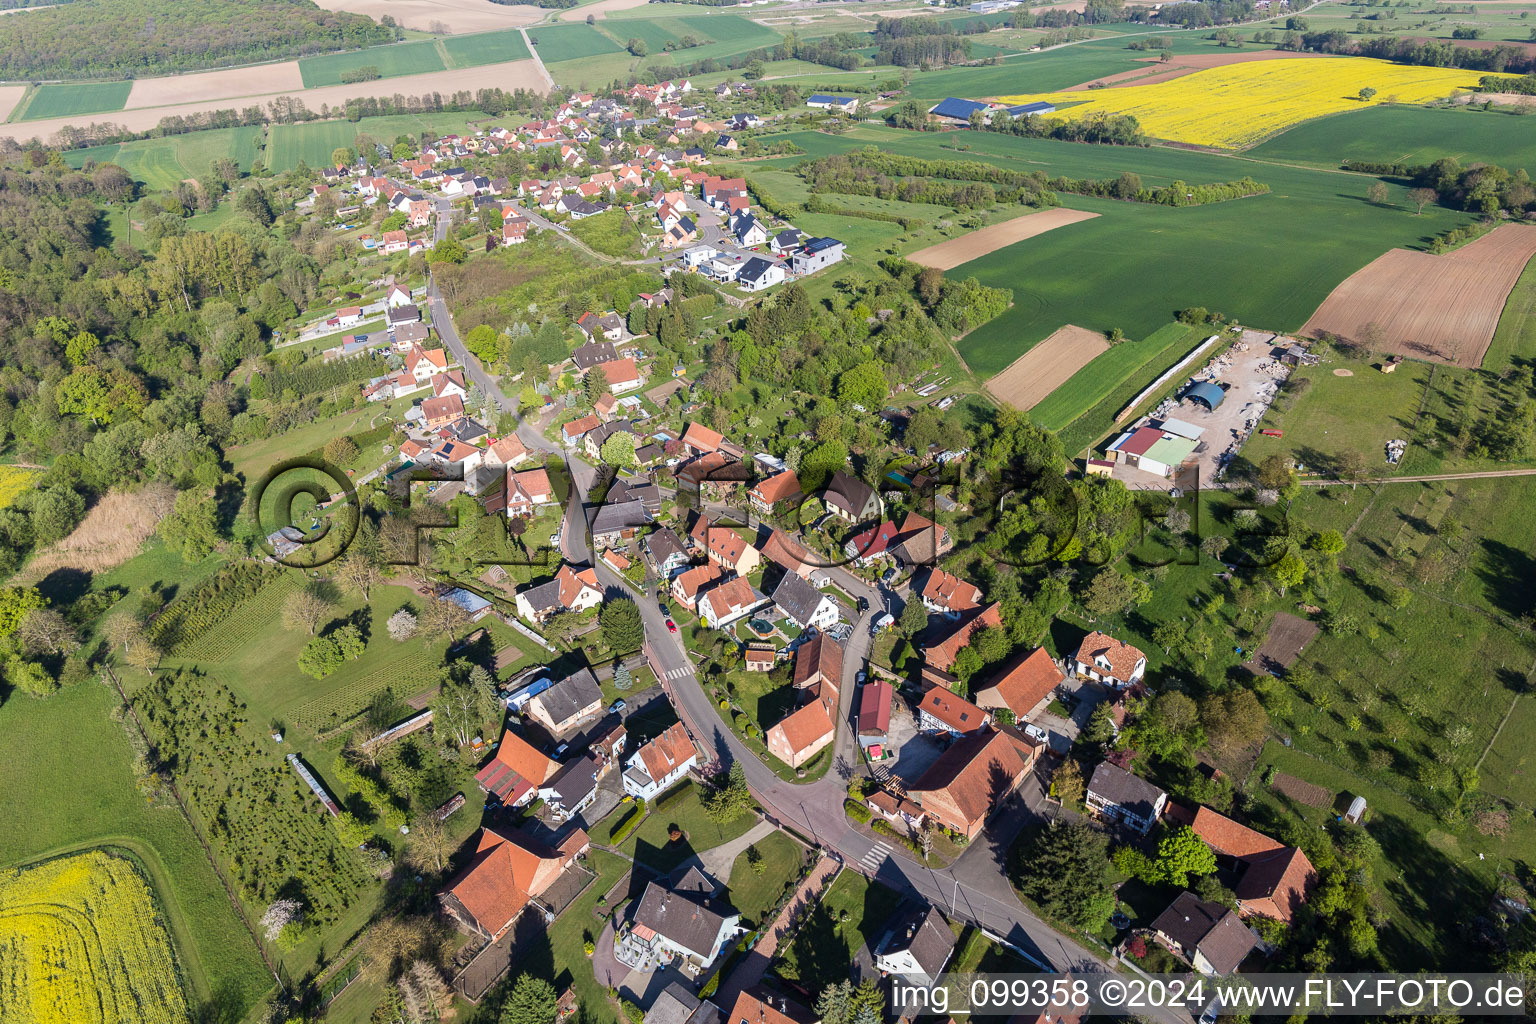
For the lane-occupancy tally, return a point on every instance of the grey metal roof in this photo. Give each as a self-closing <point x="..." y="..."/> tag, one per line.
<point x="624" y="515"/>
<point x="679" y="918"/>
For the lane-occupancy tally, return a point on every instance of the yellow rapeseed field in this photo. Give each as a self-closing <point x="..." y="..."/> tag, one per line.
<point x="1238" y="105"/>
<point x="14" y="481"/>
<point x="82" y="943"/>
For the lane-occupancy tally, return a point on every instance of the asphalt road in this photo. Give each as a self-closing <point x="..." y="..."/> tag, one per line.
<point x="974" y="889"/>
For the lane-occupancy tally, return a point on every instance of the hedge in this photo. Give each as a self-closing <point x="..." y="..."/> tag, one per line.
<point x="857" y="811"/>
<point x="626" y="825"/>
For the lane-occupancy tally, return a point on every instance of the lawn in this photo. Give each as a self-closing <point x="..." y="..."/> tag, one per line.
<point x="1407" y="135"/>
<point x="569" y="42"/>
<point x="74" y="98"/>
<point x="392" y="61"/>
<point x="164" y="163"/>
<point x="486" y="48"/>
<point x="252" y="460"/>
<point x="313" y="143"/>
<point x="650" y="844"/>
<point x="51" y="747"/>
<point x="1139" y="362"/>
<point x="613" y="233"/>
<point x="260" y="661"/>
<point x="755" y="891"/>
<point x="853" y="912"/>
<point x="1514" y="340"/>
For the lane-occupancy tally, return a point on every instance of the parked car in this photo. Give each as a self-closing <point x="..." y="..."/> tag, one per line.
<point x="671" y="626"/>
<point x="618" y="705"/>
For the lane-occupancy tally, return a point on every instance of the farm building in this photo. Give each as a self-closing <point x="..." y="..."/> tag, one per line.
<point x="958" y="111"/>
<point x="841" y="104"/>
<point x="1159" y="448"/>
<point x="1025" y="109"/>
<point x="1207" y="393"/>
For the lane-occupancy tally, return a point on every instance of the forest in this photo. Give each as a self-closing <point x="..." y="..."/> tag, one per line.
<point x="138" y="38"/>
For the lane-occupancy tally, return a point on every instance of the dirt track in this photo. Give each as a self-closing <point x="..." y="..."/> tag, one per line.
<point x="951" y="254"/>
<point x="1441" y="308"/>
<point x="1028" y="379"/>
<point x="1187" y="64"/>
<point x="510" y="75"/>
<point x="458" y="16"/>
<point x="206" y="86"/>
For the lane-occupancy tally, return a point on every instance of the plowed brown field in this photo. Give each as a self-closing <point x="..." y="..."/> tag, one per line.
<point x="1441" y="308"/>
<point x="1046" y="367"/>
<point x="950" y="254"/>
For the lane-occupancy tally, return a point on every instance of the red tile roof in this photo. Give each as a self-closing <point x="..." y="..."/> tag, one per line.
<point x="952" y="709"/>
<point x="1026" y="682"/>
<point x="663" y="754"/>
<point x="951" y="592"/>
<point x="702" y="438"/>
<point x="1141" y="441"/>
<point x="942" y="654"/>
<point x="1276" y="884"/>
<point x="974" y="773"/>
<point x="776" y="488"/>
<point x="805" y="727"/>
<point x="506" y="872"/>
<point x="1122" y="657"/>
<point x="875" y="707"/>
<point x="1221" y="833"/>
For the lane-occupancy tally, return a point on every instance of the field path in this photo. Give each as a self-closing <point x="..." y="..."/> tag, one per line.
<point x="1427" y="479"/>
<point x="549" y="80"/>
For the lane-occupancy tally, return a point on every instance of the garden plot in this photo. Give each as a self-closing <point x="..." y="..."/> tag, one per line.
<point x="1288" y="636"/>
<point x="1034" y="375"/>
<point x="1440" y="308"/>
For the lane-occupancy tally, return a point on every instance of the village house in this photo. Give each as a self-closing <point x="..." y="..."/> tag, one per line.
<point x="941" y="654"/>
<point x="441" y="411"/>
<point x="639" y="489"/>
<point x="944" y="711"/>
<point x="1274" y="880"/>
<point x="622" y="375"/>
<point x="731" y="551"/>
<point x="506" y="451"/>
<point x="660" y="764"/>
<point x="575" y="788"/>
<point x="921" y="541"/>
<point x="851" y="499"/>
<point x="1022" y="686"/>
<point x="758" y="1005"/>
<point x="728" y="602"/>
<point x="592" y="354"/>
<point x="681" y="925"/>
<point x="757" y="657"/>
<point x="577" y="429"/>
<point x="803" y="604"/>
<point x="976" y="774"/>
<point x="572" y="590"/>
<point x="786" y="241"/>
<point x="775" y="492"/>
<point x="1104" y="659"/>
<point x="758" y="274"/>
<point x="449" y="382"/>
<point x="898" y="810"/>
<point x="819" y="669"/>
<point x="391" y="242"/>
<point x="515" y="774"/>
<point x="787" y="553"/>
<point x="424" y="364"/>
<point x="508" y="873"/>
<point x="871" y="545"/>
<point x="801" y="734"/>
<point x="688" y="586"/>
<point x="399" y="316"/>
<point x="616" y="524"/>
<point x="919" y="942"/>
<point x="565" y="704"/>
<point x="945" y="594"/>
<point x="598" y="436"/>
<point x="667" y="552"/>
<point x="527" y="491"/>
<point x="1117" y="794"/>
<point x="601" y="325"/>
<point x="1208" y="935"/>
<point x="816" y="255"/>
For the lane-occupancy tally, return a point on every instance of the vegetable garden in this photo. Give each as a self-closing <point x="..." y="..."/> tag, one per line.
<point x="82" y="941"/>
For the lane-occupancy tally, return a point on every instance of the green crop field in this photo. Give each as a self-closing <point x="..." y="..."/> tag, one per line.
<point x="1409" y="135"/>
<point x="568" y="42"/>
<point x="313" y="143"/>
<point x="1041" y="72"/>
<point x="398" y="59"/>
<point x="1139" y="361"/>
<point x="486" y="48"/>
<point x="589" y="74"/>
<point x="732" y="28"/>
<point x="163" y="163"/>
<point x="74" y="98"/>
<point x="67" y="776"/>
<point x="656" y="33"/>
<point x="1136" y="264"/>
<point x="1515" y="337"/>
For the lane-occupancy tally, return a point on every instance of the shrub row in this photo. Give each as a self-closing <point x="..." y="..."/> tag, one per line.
<point x="857" y="811"/>
<point x="1458" y="237"/>
<point x="631" y="821"/>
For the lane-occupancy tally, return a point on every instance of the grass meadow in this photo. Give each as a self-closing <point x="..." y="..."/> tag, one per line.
<point x="164" y="163"/>
<point x="64" y="100"/>
<point x="313" y="143"/>
<point x="1514" y="340"/>
<point x="67" y="776"/>
<point x="1407" y="135"/>
<point x="392" y="61"/>
<point x="486" y="48"/>
<point x="568" y="42"/>
<point x="754" y="892"/>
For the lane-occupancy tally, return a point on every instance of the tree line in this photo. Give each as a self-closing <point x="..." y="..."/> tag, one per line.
<point x="134" y="38"/>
